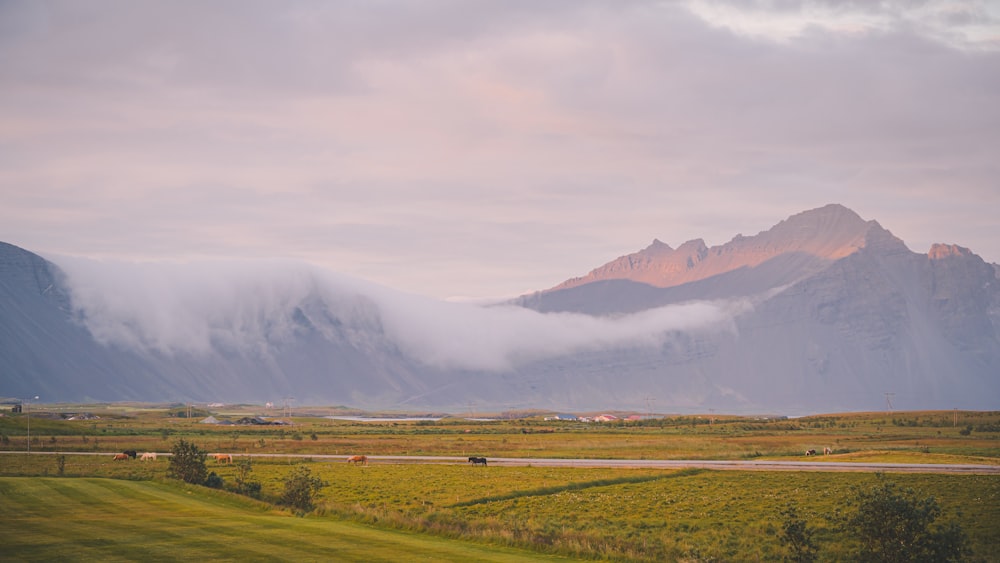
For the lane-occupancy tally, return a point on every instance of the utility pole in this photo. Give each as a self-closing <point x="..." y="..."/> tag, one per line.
<point x="27" y="412"/>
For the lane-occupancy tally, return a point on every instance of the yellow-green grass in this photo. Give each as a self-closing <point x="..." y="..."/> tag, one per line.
<point x="901" y="436"/>
<point x="49" y="519"/>
<point x="638" y="514"/>
<point x="610" y="513"/>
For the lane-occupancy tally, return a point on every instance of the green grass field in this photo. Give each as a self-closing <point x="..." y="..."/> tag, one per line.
<point x="612" y="514"/>
<point x="49" y="519"/>
<point x="59" y="511"/>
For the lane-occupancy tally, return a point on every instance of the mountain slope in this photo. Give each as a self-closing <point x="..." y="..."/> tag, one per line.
<point x="823" y="312"/>
<point x="818" y="236"/>
<point x="47" y="348"/>
<point x="843" y="314"/>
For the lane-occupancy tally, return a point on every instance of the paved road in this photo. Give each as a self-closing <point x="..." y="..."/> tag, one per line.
<point x="741" y="465"/>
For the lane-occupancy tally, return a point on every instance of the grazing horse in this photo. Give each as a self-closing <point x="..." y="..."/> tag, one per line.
<point x="121" y="457"/>
<point x="130" y="453"/>
<point x="356" y="459"/>
<point x="827" y="451"/>
<point x="148" y="456"/>
<point x="810" y="452"/>
<point x="223" y="458"/>
<point x="478" y="461"/>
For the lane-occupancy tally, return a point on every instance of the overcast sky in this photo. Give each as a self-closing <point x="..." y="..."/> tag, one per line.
<point x="488" y="149"/>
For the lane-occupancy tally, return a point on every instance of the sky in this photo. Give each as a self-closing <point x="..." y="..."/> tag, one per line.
<point x="475" y="150"/>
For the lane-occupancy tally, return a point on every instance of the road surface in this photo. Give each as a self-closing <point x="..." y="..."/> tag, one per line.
<point x="731" y="465"/>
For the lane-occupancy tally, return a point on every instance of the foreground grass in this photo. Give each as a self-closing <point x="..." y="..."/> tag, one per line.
<point x="50" y="519"/>
<point x="587" y="513"/>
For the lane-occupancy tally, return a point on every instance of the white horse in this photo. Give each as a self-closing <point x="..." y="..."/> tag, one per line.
<point x="150" y="456"/>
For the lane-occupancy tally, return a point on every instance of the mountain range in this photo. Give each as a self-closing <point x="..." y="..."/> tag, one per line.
<point x="824" y="312"/>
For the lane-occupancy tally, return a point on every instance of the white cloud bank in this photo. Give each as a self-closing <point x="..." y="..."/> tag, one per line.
<point x="198" y="308"/>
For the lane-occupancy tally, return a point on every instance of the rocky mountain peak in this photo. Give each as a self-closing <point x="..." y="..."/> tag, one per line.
<point x="827" y="233"/>
<point x="940" y="251"/>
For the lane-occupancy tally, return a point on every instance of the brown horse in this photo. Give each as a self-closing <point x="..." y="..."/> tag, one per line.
<point x="223" y="458"/>
<point x="121" y="457"/>
<point x="356" y="459"/>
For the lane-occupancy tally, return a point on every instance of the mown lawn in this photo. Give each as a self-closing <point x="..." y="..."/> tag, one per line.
<point x="88" y="519"/>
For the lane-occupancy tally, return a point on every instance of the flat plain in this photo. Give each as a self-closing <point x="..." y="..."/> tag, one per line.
<point x="520" y="512"/>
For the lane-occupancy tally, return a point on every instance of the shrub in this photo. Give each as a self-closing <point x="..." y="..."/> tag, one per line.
<point x="797" y="538"/>
<point x="893" y="525"/>
<point x="188" y="463"/>
<point x="245" y="485"/>
<point x="213" y="481"/>
<point x="300" y="487"/>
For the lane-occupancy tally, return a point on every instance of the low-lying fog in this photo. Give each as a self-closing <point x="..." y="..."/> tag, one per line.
<point x="199" y="307"/>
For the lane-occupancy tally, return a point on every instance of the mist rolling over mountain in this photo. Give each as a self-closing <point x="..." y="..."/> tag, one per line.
<point x="825" y="311"/>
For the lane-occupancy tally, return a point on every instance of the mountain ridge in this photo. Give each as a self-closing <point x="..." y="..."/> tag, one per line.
<point x="826" y="233"/>
<point x="823" y="312"/>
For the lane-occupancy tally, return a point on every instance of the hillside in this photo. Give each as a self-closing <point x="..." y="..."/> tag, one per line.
<point x="823" y="312"/>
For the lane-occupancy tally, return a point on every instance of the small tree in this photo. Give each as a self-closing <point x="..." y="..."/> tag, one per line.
<point x="797" y="538"/>
<point x="187" y="463"/>
<point x="300" y="487"/>
<point x="245" y="484"/>
<point x="894" y="525"/>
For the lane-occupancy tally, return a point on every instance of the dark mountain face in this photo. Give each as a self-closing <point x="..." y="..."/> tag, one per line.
<point x="823" y="312"/>
<point x="47" y="349"/>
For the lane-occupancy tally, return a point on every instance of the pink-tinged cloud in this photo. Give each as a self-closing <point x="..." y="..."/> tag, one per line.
<point x="480" y="149"/>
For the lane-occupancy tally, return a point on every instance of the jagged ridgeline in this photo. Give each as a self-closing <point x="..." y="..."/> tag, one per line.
<point x="823" y="312"/>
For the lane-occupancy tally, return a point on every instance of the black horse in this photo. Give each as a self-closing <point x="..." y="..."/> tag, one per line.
<point x="130" y="453"/>
<point x="478" y="461"/>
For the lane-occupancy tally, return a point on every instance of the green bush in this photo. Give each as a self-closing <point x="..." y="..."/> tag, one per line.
<point x="894" y="526"/>
<point x="797" y="538"/>
<point x="245" y="484"/>
<point x="187" y="463"/>
<point x="300" y="487"/>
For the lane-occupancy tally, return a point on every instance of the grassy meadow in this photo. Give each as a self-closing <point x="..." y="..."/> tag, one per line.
<point x="88" y="519"/>
<point x="505" y="512"/>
